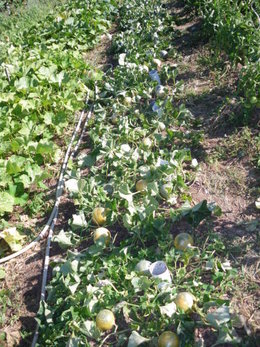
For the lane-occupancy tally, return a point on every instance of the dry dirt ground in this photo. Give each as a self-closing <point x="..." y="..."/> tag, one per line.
<point x="225" y="176"/>
<point x="226" y="173"/>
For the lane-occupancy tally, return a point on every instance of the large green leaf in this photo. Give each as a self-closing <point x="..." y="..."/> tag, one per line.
<point x="6" y="202"/>
<point x="15" y="164"/>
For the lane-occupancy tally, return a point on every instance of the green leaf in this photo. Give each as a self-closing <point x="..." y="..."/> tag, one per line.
<point x="48" y="118"/>
<point x="45" y="148"/>
<point x="47" y="72"/>
<point x="90" y="329"/>
<point x="15" y="145"/>
<point x="69" y="267"/>
<point x="27" y="105"/>
<point x="87" y="161"/>
<point x="125" y="193"/>
<point x="6" y="202"/>
<point x="63" y="239"/>
<point x="141" y="283"/>
<point x="21" y="200"/>
<point x="228" y="336"/>
<point x="78" y="221"/>
<point x="72" y="185"/>
<point x="2" y="336"/>
<point x="218" y="317"/>
<point x="25" y="180"/>
<point x="15" y="164"/>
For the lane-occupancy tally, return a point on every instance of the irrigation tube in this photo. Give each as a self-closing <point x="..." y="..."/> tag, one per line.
<point x="69" y="153"/>
<point x="45" y="272"/>
<point x="59" y="190"/>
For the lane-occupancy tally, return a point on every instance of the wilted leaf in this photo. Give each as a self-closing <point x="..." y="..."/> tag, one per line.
<point x="13" y="238"/>
<point x="73" y="342"/>
<point x="78" y="221"/>
<point x="121" y="60"/>
<point x="252" y="225"/>
<point x="72" y="185"/>
<point x="194" y="215"/>
<point x="168" y="309"/>
<point x="135" y="339"/>
<point x="13" y="338"/>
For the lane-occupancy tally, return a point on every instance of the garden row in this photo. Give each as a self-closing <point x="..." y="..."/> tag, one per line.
<point x="234" y="26"/>
<point x="43" y="81"/>
<point x="130" y="209"/>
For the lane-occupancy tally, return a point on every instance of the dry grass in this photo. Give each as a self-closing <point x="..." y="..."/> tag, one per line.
<point x="247" y="295"/>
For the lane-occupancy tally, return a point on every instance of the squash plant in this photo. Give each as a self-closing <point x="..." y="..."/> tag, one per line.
<point x="43" y="84"/>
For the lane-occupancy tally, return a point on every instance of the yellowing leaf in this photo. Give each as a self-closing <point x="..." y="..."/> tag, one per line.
<point x="13" y="238"/>
<point x="6" y="202"/>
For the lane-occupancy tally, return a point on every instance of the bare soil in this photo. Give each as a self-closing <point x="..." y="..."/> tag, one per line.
<point x="232" y="182"/>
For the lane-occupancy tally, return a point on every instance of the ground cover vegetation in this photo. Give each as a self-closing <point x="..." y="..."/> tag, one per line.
<point x="234" y="28"/>
<point x="42" y="86"/>
<point x="139" y="169"/>
<point x="130" y="185"/>
<point x="42" y="79"/>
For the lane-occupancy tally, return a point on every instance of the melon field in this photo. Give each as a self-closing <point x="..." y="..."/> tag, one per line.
<point x="129" y="173"/>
